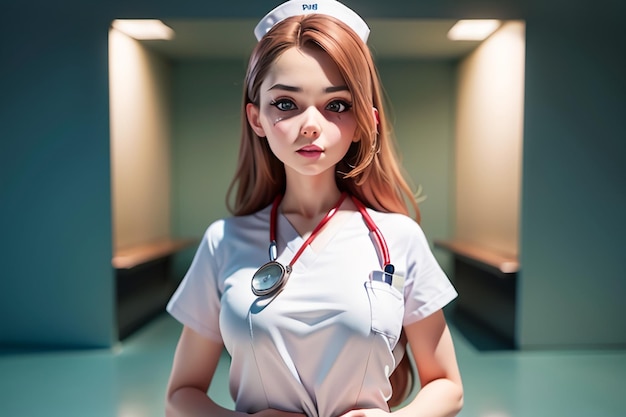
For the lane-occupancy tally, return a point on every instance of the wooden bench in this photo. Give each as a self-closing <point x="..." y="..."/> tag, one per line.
<point x="487" y="285"/>
<point x="144" y="281"/>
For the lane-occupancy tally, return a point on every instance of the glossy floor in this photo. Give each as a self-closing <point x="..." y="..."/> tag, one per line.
<point x="129" y="381"/>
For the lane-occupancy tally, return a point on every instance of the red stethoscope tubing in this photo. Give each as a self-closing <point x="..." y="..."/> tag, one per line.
<point x="271" y="277"/>
<point x="381" y="244"/>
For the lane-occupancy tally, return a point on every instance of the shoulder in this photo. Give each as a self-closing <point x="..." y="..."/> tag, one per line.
<point x="236" y="227"/>
<point x="396" y="223"/>
<point x="401" y="231"/>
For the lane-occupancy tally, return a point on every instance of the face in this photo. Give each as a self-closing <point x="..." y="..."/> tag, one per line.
<point x="305" y="112"/>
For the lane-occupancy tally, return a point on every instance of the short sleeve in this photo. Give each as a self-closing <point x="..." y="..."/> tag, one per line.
<point x="426" y="288"/>
<point x="196" y="301"/>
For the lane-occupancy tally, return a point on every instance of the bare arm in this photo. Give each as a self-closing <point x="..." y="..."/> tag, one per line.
<point x="195" y="362"/>
<point x="433" y="351"/>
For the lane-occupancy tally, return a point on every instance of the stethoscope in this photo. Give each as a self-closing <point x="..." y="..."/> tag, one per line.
<point x="271" y="278"/>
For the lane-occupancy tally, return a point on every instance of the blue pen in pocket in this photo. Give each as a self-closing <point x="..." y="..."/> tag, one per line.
<point x="385" y="276"/>
<point x="389" y="270"/>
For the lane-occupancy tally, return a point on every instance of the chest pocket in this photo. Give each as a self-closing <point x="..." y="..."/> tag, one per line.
<point x="387" y="309"/>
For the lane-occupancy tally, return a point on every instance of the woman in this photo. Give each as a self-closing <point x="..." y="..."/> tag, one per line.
<point x="316" y="329"/>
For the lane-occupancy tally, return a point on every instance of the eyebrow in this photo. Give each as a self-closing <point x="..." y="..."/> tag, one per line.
<point x="332" y="89"/>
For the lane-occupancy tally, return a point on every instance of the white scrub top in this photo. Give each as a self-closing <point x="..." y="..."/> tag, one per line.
<point x="324" y="345"/>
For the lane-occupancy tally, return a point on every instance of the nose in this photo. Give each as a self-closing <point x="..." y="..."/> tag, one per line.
<point x="311" y="127"/>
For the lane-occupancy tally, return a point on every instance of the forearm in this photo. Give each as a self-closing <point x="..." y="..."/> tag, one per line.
<point x="192" y="402"/>
<point x="438" y="398"/>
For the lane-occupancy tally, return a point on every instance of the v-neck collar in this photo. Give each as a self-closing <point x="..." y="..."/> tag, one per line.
<point x="288" y="233"/>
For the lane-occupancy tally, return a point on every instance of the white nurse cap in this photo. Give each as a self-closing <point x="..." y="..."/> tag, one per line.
<point x="301" y="7"/>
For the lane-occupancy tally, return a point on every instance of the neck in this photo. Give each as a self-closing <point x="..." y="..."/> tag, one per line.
<point x="310" y="198"/>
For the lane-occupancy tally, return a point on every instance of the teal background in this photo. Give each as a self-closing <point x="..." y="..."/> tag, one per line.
<point x="55" y="201"/>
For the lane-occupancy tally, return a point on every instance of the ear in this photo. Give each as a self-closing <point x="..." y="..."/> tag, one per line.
<point x="376" y="118"/>
<point x="252" y="113"/>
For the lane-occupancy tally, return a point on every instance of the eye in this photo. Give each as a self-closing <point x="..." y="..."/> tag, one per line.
<point x="338" y="106"/>
<point x="284" y="104"/>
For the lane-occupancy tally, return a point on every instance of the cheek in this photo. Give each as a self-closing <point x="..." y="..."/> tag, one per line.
<point x="347" y="128"/>
<point x="344" y="121"/>
<point x="275" y="122"/>
<point x="282" y="128"/>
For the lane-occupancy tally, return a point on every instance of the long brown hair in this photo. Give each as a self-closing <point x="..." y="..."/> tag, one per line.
<point x="370" y="170"/>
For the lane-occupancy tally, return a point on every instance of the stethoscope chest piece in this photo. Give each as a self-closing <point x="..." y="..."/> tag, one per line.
<point x="270" y="278"/>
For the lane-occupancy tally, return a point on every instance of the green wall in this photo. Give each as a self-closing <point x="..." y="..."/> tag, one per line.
<point x="205" y="140"/>
<point x="55" y="203"/>
<point x="55" y="215"/>
<point x="574" y="186"/>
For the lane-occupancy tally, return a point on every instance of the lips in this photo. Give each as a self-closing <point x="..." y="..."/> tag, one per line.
<point x="310" y="150"/>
